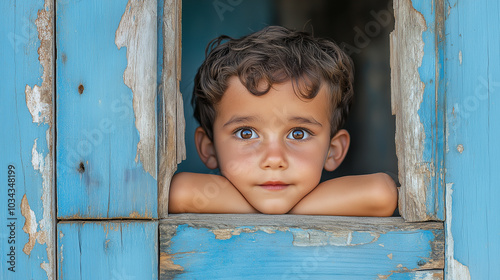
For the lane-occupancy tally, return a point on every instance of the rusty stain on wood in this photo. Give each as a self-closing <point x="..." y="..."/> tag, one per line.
<point x="171" y="123"/>
<point x="407" y="89"/>
<point x="39" y="103"/>
<point x="137" y="32"/>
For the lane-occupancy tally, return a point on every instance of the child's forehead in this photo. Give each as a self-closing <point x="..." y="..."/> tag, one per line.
<point x="280" y="100"/>
<point x="288" y="91"/>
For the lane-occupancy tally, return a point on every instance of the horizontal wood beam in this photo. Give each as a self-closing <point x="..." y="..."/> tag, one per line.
<point x="272" y="246"/>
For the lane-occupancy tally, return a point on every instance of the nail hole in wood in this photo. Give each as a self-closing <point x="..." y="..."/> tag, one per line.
<point x="80" y="89"/>
<point x="81" y="167"/>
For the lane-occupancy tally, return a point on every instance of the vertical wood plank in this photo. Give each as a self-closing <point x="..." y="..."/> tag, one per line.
<point x="171" y="123"/>
<point x="107" y="250"/>
<point x="418" y="103"/>
<point x="27" y="232"/>
<point x="472" y="72"/>
<point x="106" y="109"/>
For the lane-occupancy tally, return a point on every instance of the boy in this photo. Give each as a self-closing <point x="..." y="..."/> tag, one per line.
<point x="271" y="106"/>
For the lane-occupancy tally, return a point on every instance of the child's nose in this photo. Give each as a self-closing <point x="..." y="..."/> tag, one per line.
<point x="274" y="156"/>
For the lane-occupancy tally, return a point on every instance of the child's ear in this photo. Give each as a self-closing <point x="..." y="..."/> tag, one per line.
<point x="205" y="147"/>
<point x="339" y="144"/>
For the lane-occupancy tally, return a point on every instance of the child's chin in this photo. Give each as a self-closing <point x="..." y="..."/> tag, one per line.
<point x="273" y="209"/>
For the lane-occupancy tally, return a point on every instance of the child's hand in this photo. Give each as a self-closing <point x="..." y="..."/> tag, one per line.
<point x="205" y="193"/>
<point x="363" y="195"/>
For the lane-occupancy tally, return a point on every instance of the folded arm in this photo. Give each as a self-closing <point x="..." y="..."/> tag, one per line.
<point x="205" y="193"/>
<point x="362" y="195"/>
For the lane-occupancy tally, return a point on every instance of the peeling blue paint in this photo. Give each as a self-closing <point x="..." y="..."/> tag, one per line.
<point x="97" y="174"/>
<point x="263" y="255"/>
<point x="431" y="110"/>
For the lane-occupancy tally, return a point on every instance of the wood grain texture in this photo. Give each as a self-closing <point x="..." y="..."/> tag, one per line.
<point x="107" y="250"/>
<point x="418" y="103"/>
<point x="472" y="72"/>
<point x="171" y="124"/>
<point x="287" y="246"/>
<point x="27" y="234"/>
<point x="105" y="165"/>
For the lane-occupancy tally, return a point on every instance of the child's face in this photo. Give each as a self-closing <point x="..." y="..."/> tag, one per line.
<point x="272" y="147"/>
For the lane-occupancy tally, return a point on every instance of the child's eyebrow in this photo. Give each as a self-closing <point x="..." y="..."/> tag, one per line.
<point x="304" y="120"/>
<point x="239" y="119"/>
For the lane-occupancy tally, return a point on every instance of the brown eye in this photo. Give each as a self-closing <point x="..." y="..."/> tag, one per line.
<point x="246" y="133"/>
<point x="298" y="134"/>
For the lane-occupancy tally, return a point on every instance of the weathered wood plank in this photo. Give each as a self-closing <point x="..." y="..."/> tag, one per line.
<point x="472" y="71"/>
<point x="106" y="90"/>
<point x="418" y="103"/>
<point x="27" y="234"/>
<point x="170" y="106"/>
<point x="280" y="247"/>
<point x="107" y="250"/>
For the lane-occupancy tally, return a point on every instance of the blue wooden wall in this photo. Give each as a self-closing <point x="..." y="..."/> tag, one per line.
<point x="99" y="171"/>
<point x="107" y="70"/>
<point x="472" y="73"/>
<point x="81" y="98"/>
<point x="83" y="134"/>
<point x="27" y="240"/>
<point x="107" y="250"/>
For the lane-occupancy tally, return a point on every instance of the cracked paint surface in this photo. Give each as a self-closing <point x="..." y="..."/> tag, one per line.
<point x="407" y="90"/>
<point x="39" y="103"/>
<point x="137" y="32"/>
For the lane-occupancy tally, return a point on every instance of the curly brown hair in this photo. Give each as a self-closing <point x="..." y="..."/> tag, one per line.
<point x="274" y="55"/>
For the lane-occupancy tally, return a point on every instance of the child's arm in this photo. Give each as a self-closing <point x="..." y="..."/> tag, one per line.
<point x="363" y="195"/>
<point x="205" y="193"/>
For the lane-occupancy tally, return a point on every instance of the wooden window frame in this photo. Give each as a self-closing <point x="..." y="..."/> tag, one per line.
<point x="419" y="143"/>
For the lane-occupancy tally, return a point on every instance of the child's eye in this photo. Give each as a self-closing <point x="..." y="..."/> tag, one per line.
<point x="298" y="134"/>
<point x="246" y="133"/>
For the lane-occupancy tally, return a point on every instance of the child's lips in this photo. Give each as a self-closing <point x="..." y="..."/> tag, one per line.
<point x="274" y="185"/>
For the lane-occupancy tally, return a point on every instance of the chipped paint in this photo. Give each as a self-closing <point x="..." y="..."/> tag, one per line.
<point x="39" y="103"/>
<point x="137" y="32"/>
<point x="227" y="233"/>
<point x="312" y="237"/>
<point x="460" y="148"/>
<point x="305" y="237"/>
<point x="460" y="57"/>
<point x="390" y="256"/>
<point x="454" y="269"/>
<point x="416" y="275"/>
<point x="407" y="90"/>
<point x="167" y="263"/>
<point x="30" y="225"/>
<point x="224" y="234"/>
